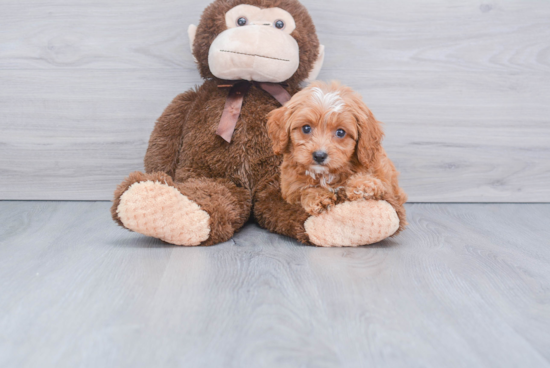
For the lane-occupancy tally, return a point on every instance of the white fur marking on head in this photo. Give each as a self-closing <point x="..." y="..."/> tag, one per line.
<point x="330" y="100"/>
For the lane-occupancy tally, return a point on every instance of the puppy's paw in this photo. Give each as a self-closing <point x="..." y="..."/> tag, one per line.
<point x="318" y="202"/>
<point x="364" y="186"/>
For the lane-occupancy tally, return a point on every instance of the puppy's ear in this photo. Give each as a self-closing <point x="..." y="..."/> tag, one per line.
<point x="277" y="129"/>
<point x="370" y="133"/>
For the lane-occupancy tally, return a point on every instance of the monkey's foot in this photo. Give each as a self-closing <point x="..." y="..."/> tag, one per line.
<point x="351" y="224"/>
<point x="156" y="209"/>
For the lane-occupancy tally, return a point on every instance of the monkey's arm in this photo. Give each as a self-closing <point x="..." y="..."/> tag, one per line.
<point x="164" y="144"/>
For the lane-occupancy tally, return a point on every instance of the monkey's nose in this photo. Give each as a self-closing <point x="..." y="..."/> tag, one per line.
<point x="320" y="156"/>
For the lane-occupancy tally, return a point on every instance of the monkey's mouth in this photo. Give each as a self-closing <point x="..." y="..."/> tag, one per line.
<point x="247" y="54"/>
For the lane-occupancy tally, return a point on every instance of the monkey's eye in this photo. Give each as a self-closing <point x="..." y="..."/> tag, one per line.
<point x="306" y="129"/>
<point x="241" y="21"/>
<point x="279" y="24"/>
<point x="340" y="133"/>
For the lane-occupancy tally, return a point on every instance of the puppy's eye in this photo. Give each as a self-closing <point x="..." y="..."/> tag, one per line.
<point x="279" y="24"/>
<point x="340" y="133"/>
<point x="241" y="21"/>
<point x="306" y="129"/>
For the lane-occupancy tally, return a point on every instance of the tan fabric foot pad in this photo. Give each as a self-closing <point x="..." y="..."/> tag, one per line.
<point x="351" y="224"/>
<point x="159" y="210"/>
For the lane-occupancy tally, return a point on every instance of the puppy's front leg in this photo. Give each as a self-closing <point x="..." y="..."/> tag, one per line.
<point x="366" y="186"/>
<point x="317" y="200"/>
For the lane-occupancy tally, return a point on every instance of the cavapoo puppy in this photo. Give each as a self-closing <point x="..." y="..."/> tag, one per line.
<point x="332" y="152"/>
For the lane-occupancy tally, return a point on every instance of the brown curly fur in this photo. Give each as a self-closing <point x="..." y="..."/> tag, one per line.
<point x="356" y="167"/>
<point x="228" y="181"/>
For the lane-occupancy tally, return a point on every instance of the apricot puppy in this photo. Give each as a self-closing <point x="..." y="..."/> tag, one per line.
<point x="332" y="152"/>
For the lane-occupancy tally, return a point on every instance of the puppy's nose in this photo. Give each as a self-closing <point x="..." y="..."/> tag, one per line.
<point x="320" y="156"/>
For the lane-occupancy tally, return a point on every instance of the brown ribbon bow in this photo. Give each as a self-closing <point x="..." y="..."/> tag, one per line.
<point x="234" y="102"/>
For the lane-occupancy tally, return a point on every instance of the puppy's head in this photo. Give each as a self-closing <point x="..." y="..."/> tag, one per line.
<point x="325" y="128"/>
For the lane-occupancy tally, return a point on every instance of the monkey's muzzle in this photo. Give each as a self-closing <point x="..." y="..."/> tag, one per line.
<point x="255" y="53"/>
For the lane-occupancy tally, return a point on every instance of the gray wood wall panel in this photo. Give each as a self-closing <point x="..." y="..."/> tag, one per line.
<point x="463" y="88"/>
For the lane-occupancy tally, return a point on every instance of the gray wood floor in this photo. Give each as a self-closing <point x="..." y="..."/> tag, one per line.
<point x="467" y="285"/>
<point x="462" y="87"/>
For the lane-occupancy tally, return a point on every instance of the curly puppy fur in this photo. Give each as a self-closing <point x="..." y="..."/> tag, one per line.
<point x="233" y="181"/>
<point x="331" y="144"/>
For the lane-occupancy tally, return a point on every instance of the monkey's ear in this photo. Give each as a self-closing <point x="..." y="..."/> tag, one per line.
<point x="317" y="66"/>
<point x="191" y="32"/>
<point x="277" y="129"/>
<point x="370" y="133"/>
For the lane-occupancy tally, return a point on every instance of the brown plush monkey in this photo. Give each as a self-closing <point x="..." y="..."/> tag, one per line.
<point x="210" y="165"/>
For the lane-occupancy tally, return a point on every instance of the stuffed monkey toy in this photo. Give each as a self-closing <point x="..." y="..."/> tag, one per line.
<point x="210" y="166"/>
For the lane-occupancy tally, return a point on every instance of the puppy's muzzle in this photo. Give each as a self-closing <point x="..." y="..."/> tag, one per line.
<point x="320" y="156"/>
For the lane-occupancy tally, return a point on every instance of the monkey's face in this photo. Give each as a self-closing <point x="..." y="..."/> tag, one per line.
<point x="256" y="46"/>
<point x="251" y="41"/>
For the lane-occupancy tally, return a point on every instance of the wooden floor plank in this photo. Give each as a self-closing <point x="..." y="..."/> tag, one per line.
<point x="466" y="285"/>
